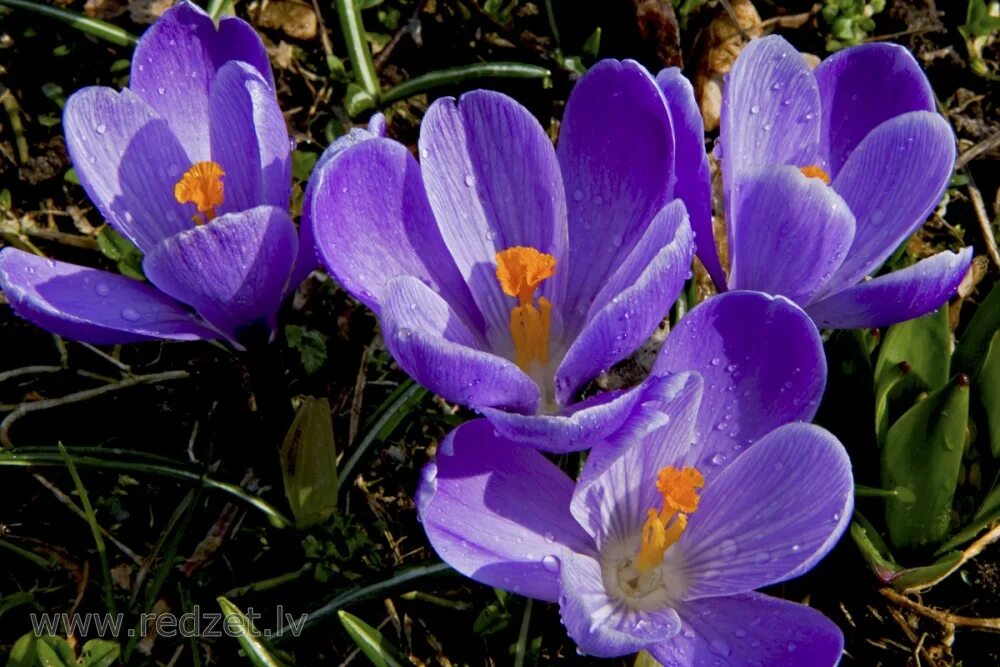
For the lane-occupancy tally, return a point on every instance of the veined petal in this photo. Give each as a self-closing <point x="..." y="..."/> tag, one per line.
<point x="618" y="484"/>
<point x="770" y="109"/>
<point x="128" y="161"/>
<point x="763" y="363"/>
<point x="860" y="88"/>
<point x="770" y="515"/>
<point x="600" y="625"/>
<point x="895" y="297"/>
<point x="498" y="513"/>
<point x="493" y="183"/>
<point x="176" y="60"/>
<point x="616" y="152"/>
<point x="892" y="181"/>
<point x="233" y="270"/>
<point x="754" y="630"/>
<point x="574" y="428"/>
<point x="694" y="178"/>
<point x="372" y="223"/>
<point x="633" y="301"/>
<point x="791" y="231"/>
<point x="249" y="139"/>
<point x="308" y="258"/>
<point x="91" y="305"/>
<point x="431" y="342"/>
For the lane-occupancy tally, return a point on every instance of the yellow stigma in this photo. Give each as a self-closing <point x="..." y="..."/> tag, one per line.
<point x="201" y="185"/>
<point x="815" y="171"/>
<point x="520" y="271"/>
<point x="662" y="529"/>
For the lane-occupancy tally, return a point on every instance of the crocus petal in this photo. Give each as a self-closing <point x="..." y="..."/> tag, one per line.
<point x="770" y="515"/>
<point x="895" y="297"/>
<point x="762" y="360"/>
<point x="618" y="484"/>
<point x="249" y="140"/>
<point x="174" y="64"/>
<point x="574" y="428"/>
<point x="859" y="89"/>
<point x="128" y="161"/>
<point x="493" y="183"/>
<point x="233" y="270"/>
<point x="91" y="305"/>
<point x="770" y="109"/>
<point x="791" y="233"/>
<point x="751" y="630"/>
<point x="694" y="178"/>
<point x="600" y="625"/>
<point x="431" y="342"/>
<point x="616" y="150"/>
<point x="308" y="258"/>
<point x="372" y="223"/>
<point x="498" y="513"/>
<point x="892" y="181"/>
<point x="632" y="302"/>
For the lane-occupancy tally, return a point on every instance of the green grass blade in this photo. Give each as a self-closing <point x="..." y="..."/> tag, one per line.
<point x="100" y="29"/>
<point x="357" y="46"/>
<point x="372" y="643"/>
<point x="247" y="635"/>
<point x="454" y="75"/>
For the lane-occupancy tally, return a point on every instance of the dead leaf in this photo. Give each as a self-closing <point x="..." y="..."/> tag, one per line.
<point x="282" y="55"/>
<point x="121" y="575"/>
<point x="104" y="9"/>
<point x="723" y="44"/>
<point x="295" y="19"/>
<point x="147" y="11"/>
<point x="657" y="24"/>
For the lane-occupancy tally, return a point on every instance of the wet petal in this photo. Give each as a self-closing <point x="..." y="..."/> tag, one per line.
<point x="763" y="365"/>
<point x="771" y="515"/>
<point x="751" y="630"/>
<point x="91" y="305"/>
<point x="498" y="513"/>
<point x="431" y="342"/>
<point x="493" y="183"/>
<point x="895" y="297"/>
<point x="616" y="151"/>
<point x="233" y="270"/>
<point x="128" y="161"/>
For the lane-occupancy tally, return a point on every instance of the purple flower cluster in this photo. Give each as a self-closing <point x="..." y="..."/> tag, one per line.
<point x="507" y="274"/>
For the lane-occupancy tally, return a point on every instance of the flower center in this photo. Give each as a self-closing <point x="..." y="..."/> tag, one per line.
<point x="201" y="185"/>
<point x="663" y="528"/>
<point x="520" y="271"/>
<point x="815" y="171"/>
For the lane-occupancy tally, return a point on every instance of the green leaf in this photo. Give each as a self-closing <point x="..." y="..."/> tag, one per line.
<point x="988" y="386"/>
<point x="978" y="21"/>
<point x="973" y="345"/>
<point x="303" y="163"/>
<point x="987" y="513"/>
<point x="492" y="619"/>
<point x="357" y="100"/>
<point x="593" y="44"/>
<point x="913" y="358"/>
<point x="99" y="653"/>
<point x="24" y="653"/>
<point x="455" y="75"/>
<point x="873" y="548"/>
<point x="922" y="453"/>
<point x="247" y="635"/>
<point x="372" y="643"/>
<point x="5" y="200"/>
<point x="54" y="652"/>
<point x="120" y="250"/>
<point x="309" y="464"/>
<point x="644" y="659"/>
<point x="919" y="578"/>
<point x="101" y="29"/>
<point x="310" y="344"/>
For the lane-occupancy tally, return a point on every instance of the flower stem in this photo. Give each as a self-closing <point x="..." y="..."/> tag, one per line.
<point x="357" y="46"/>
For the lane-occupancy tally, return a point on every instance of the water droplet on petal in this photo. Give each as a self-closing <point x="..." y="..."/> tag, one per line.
<point x="130" y="314"/>
<point x="161" y="90"/>
<point x="550" y="563"/>
<point x="470" y="180"/>
<point x="102" y="289"/>
<point x="755" y="109"/>
<point x="550" y="538"/>
<point x="729" y="548"/>
<point x="720" y="647"/>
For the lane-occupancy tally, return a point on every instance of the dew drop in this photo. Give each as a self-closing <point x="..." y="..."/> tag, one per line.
<point x="578" y="195"/>
<point x="550" y="538"/>
<point x="470" y="180"/>
<point x="550" y="563"/>
<point x="130" y="314"/>
<point x="755" y="109"/>
<point x="720" y="647"/>
<point x="161" y="90"/>
<point x="792" y="646"/>
<point x="102" y="128"/>
<point x="102" y="289"/>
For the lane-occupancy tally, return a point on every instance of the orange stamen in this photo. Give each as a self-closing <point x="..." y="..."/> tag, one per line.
<point x="201" y="185"/>
<point x="815" y="171"/>
<point x="520" y="270"/>
<point x="662" y="529"/>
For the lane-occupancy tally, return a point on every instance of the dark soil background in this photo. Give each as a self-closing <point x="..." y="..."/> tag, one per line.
<point x="182" y="544"/>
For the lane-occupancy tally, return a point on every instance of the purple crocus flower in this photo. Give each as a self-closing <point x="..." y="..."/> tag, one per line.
<point x="675" y="520"/>
<point x="191" y="163"/>
<point x="826" y="172"/>
<point x="506" y="274"/>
